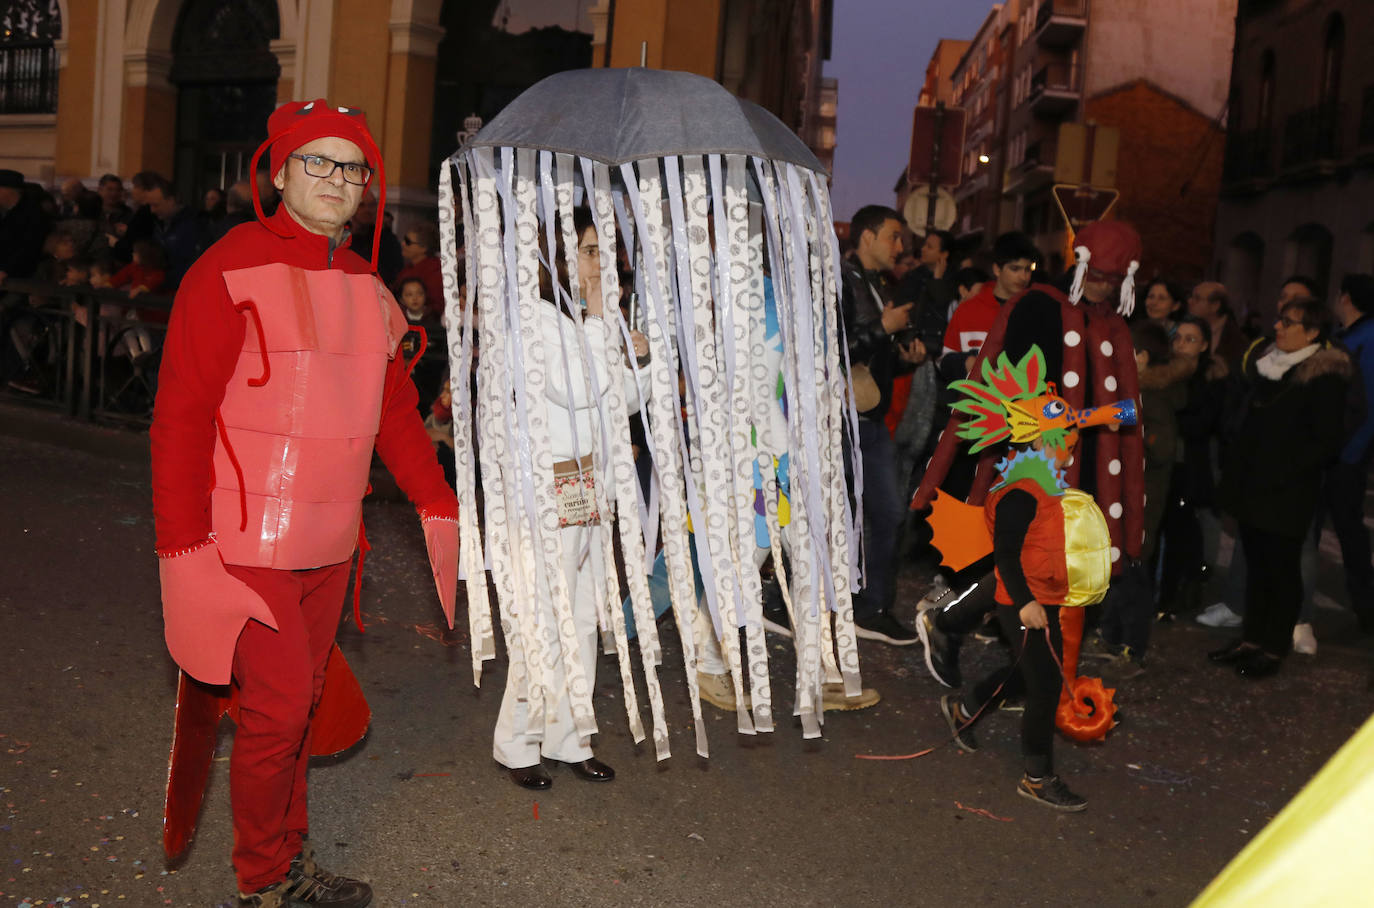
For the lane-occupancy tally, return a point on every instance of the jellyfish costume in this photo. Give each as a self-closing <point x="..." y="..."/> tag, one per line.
<point x="701" y="193"/>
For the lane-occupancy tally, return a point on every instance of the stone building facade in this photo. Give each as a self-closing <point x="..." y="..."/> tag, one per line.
<point x="1298" y="185"/>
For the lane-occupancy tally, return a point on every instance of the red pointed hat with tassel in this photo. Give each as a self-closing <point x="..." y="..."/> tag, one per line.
<point x="298" y="122"/>
<point x="1112" y="249"/>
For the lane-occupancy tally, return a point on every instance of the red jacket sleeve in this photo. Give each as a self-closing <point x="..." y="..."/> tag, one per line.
<point x="203" y="342"/>
<point x="406" y="449"/>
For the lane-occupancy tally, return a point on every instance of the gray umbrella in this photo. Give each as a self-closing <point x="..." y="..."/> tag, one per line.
<point x="620" y="115"/>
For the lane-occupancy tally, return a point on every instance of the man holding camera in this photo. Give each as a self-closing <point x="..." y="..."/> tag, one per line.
<point x="881" y="346"/>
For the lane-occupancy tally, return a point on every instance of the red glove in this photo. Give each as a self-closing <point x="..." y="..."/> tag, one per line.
<point x="204" y="608"/>
<point x="441" y="540"/>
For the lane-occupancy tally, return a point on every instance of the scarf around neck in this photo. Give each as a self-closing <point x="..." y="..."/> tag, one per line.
<point x="1276" y="363"/>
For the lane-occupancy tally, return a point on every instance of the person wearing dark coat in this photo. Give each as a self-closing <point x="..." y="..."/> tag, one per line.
<point x="23" y="227"/>
<point x="1192" y="490"/>
<point x="1288" y="428"/>
<point x="389" y="258"/>
<point x="873" y="326"/>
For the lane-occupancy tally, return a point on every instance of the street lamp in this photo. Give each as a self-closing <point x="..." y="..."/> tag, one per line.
<point x="983" y="159"/>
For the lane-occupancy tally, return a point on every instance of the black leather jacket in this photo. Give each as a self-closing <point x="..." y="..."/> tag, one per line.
<point x="868" y="342"/>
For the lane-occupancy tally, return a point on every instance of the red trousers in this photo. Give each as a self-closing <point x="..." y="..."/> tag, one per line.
<point x="280" y="675"/>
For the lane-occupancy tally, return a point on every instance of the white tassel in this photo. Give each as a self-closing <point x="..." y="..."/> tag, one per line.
<point x="1128" y="291"/>
<point x="1080" y="271"/>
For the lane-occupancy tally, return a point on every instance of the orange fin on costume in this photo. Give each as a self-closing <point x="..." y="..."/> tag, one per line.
<point x="960" y="531"/>
<point x="340" y="721"/>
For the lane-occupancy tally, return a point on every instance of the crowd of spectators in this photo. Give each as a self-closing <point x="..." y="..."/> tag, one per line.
<point x="1224" y="528"/>
<point x="137" y="239"/>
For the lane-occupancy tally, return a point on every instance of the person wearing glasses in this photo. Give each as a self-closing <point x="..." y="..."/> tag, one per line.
<point x="280" y="377"/>
<point x="1288" y="429"/>
<point x="420" y="251"/>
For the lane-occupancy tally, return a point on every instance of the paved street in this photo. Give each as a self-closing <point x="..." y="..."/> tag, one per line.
<point x="1203" y="760"/>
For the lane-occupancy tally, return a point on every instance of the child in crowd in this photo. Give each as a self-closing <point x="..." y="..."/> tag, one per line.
<point x="101" y="273"/>
<point x="439" y="424"/>
<point x="145" y="273"/>
<point x="430" y="364"/>
<point x="1030" y="513"/>
<point x="78" y="273"/>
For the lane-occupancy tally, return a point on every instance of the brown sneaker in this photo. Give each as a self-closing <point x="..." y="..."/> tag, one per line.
<point x="719" y="691"/>
<point x="307" y="883"/>
<point x="833" y="698"/>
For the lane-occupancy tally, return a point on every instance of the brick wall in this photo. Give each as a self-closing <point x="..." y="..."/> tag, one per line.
<point x="1169" y="175"/>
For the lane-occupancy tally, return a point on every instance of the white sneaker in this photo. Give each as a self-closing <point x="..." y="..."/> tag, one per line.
<point x="1304" y="641"/>
<point x="1219" y="614"/>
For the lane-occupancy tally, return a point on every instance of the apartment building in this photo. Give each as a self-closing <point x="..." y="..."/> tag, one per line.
<point x="1297" y="193"/>
<point x="1156" y="70"/>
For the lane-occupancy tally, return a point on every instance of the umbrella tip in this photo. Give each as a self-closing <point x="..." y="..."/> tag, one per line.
<point x="643" y="53"/>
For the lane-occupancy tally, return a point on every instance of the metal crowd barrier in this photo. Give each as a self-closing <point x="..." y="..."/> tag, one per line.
<point x="77" y="350"/>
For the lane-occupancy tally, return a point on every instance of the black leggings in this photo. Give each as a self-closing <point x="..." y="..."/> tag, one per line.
<point x="1033" y="671"/>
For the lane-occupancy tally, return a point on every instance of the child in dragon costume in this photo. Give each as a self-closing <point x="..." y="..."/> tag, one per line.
<point x="1051" y="550"/>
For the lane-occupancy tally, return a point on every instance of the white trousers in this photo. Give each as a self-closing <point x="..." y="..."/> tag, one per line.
<point x="513" y="745"/>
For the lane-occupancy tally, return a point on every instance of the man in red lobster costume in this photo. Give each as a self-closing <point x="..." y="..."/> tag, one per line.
<point x="1090" y="357"/>
<point x="280" y="377"/>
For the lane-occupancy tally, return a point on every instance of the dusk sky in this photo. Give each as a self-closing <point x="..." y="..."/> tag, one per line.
<point x="879" y="55"/>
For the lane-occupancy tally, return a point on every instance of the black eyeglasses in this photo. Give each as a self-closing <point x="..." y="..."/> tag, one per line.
<point x="322" y="168"/>
<point x="1290" y="322"/>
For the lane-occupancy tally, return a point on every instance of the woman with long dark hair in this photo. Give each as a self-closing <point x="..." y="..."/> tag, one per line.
<point x="1164" y="304"/>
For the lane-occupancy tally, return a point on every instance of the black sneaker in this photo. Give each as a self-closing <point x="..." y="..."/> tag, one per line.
<point x="886" y="629"/>
<point x="307" y="883"/>
<point x="959" y="724"/>
<point x="942" y="655"/>
<point x="989" y="631"/>
<point x="1052" y="792"/>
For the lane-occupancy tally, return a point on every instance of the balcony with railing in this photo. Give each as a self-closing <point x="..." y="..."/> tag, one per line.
<point x="1054" y="90"/>
<point x="1249" y="157"/>
<point x="1311" y="137"/>
<point x="1034" y="170"/>
<point x="1060" y="23"/>
<point x="28" y="77"/>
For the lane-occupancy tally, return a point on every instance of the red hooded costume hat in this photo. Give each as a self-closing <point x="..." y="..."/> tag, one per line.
<point x="298" y="122"/>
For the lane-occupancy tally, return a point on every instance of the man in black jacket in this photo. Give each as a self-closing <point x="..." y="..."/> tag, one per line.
<point x="873" y="326"/>
<point x="23" y="227"/>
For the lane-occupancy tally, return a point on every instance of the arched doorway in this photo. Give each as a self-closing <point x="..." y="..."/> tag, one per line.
<point x="226" y="78"/>
<point x="1242" y="269"/>
<point x="1309" y="253"/>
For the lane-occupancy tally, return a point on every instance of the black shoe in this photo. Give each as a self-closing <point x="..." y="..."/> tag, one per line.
<point x="989" y="631"/>
<point x="1258" y="664"/>
<point x="1232" y="652"/>
<point x="1052" y="792"/>
<point x="960" y="725"/>
<point x="307" y="883"/>
<point x="883" y="627"/>
<point x="942" y="654"/>
<point x="534" y="777"/>
<point x="592" y="770"/>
